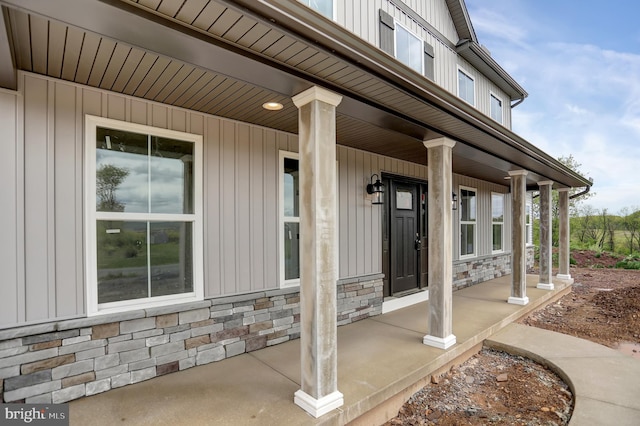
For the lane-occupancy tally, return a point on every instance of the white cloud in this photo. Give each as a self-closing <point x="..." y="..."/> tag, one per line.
<point x="583" y="100"/>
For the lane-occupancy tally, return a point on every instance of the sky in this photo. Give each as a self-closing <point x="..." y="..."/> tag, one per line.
<point x="579" y="60"/>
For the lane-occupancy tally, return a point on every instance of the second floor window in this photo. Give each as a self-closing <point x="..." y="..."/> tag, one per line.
<point x="496" y="108"/>
<point x="323" y="6"/>
<point x="408" y="48"/>
<point x="466" y="87"/>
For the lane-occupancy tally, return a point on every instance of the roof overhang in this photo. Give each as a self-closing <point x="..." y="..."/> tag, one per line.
<point x="482" y="60"/>
<point x="387" y="107"/>
<point x="7" y="65"/>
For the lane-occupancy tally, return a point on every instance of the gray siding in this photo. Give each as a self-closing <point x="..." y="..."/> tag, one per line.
<point x="484" y="224"/>
<point x="43" y="260"/>
<point x="362" y="18"/>
<point x="11" y="298"/>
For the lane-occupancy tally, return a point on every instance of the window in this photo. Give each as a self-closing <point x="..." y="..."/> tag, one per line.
<point x="496" y="108"/>
<point x="325" y="7"/>
<point x="289" y="219"/>
<point x="497" y="218"/>
<point x="467" y="222"/>
<point x="466" y="87"/>
<point x="408" y="48"/>
<point x="528" y="227"/>
<point x="144" y="216"/>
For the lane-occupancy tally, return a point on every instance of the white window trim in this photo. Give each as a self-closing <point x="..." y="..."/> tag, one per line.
<point x="498" y="223"/>
<point x="474" y="223"/>
<point x="494" y="95"/>
<point x="281" y="219"/>
<point x="284" y="283"/>
<point x="468" y="74"/>
<point x="395" y="46"/>
<point x="528" y="225"/>
<point x="91" y="215"/>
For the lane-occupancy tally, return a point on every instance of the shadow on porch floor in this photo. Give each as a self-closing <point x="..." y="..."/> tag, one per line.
<point x="381" y="362"/>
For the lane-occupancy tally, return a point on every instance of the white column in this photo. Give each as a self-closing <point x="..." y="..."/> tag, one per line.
<point x="546" y="228"/>
<point x="518" y="238"/>
<point x="565" y="235"/>
<point x="318" y="323"/>
<point x="440" y="218"/>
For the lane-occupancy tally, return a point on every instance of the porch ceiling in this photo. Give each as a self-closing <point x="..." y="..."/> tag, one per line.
<point x="228" y="58"/>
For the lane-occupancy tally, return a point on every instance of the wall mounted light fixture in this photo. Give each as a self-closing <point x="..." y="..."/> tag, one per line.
<point x="376" y="189"/>
<point x="454" y="201"/>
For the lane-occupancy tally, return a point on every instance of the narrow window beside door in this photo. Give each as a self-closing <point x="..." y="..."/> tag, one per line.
<point x="289" y="219"/>
<point x="467" y="222"/>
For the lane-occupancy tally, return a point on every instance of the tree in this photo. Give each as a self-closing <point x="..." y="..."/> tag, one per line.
<point x="574" y="203"/>
<point x="108" y="179"/>
<point x="630" y="224"/>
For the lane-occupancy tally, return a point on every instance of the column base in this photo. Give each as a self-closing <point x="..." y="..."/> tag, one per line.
<point x="518" y="300"/>
<point x="439" y="342"/>
<point x="566" y="277"/>
<point x="545" y="286"/>
<point x="318" y="407"/>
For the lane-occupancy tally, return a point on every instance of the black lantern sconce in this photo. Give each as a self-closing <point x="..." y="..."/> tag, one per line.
<point x="454" y="201"/>
<point x="376" y="189"/>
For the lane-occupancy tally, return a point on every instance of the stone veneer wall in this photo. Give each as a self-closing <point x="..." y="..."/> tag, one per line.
<point x="473" y="271"/>
<point x="61" y="361"/>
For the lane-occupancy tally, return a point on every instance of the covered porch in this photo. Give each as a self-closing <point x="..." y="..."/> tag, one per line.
<point x="381" y="363"/>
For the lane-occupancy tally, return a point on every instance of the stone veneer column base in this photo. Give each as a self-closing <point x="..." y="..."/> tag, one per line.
<point x="545" y="286"/>
<point x="318" y="407"/>
<point x="439" y="342"/>
<point x="518" y="300"/>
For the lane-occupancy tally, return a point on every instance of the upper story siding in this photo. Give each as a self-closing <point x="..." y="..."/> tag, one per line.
<point x="362" y="18"/>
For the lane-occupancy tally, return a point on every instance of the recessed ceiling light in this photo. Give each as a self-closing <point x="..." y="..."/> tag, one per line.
<point x="272" y="106"/>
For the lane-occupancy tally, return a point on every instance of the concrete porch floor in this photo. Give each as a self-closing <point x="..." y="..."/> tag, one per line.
<point x="381" y="363"/>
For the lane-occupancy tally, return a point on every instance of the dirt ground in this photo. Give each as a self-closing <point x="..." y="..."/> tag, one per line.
<point x="500" y="389"/>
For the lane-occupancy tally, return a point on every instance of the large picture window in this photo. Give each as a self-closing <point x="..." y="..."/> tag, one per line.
<point x="144" y="219"/>
<point x="468" y="208"/>
<point x="289" y="219"/>
<point x="497" y="219"/>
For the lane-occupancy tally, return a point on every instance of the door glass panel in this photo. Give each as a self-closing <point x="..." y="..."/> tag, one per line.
<point x="404" y="200"/>
<point x="170" y="258"/>
<point x="122" y="260"/>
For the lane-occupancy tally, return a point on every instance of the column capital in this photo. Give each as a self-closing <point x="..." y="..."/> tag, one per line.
<point x="545" y="182"/>
<point x="316" y="93"/>
<point x="518" y="172"/>
<point x="564" y="189"/>
<point x="432" y="143"/>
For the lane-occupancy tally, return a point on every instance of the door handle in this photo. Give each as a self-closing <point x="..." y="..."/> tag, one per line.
<point x="418" y="242"/>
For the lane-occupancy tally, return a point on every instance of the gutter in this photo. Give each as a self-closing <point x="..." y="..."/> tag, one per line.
<point x="473" y="52"/>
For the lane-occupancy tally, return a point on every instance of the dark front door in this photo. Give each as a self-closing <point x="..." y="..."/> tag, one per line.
<point x="405" y="241"/>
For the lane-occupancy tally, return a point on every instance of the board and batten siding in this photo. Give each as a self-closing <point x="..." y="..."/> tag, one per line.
<point x="362" y="18"/>
<point x="11" y="244"/>
<point x="484" y="223"/>
<point x="42" y="192"/>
